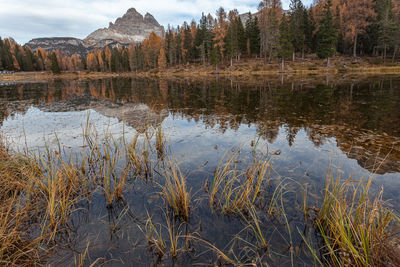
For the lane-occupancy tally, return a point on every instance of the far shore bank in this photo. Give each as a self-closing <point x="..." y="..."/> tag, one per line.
<point x="238" y="69"/>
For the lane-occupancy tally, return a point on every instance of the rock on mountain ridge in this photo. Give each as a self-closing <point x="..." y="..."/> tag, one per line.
<point x="132" y="27"/>
<point x="69" y="45"/>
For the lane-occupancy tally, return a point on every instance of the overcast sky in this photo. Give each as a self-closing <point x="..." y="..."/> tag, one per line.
<point x="27" y="19"/>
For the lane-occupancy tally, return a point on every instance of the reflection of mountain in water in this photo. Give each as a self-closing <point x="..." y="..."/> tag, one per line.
<point x="60" y="97"/>
<point x="138" y="116"/>
<point x="362" y="116"/>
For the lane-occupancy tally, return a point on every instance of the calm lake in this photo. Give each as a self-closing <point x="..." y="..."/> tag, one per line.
<point x="303" y="125"/>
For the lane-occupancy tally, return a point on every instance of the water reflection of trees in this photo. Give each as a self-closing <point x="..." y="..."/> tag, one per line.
<point x="323" y="108"/>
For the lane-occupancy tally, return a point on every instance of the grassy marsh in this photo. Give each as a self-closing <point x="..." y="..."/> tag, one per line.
<point x="41" y="193"/>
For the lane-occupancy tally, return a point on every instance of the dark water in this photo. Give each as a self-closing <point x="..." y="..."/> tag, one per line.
<point x="304" y="125"/>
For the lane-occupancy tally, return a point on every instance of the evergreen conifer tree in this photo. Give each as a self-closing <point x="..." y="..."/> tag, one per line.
<point x="326" y="35"/>
<point x="54" y="67"/>
<point x="297" y="26"/>
<point x="5" y="55"/>
<point x="387" y="27"/>
<point x="285" y="42"/>
<point x="252" y="35"/>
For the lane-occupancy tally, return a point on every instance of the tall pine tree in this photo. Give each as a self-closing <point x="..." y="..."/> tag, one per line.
<point x="235" y="39"/>
<point x="54" y="67"/>
<point x="252" y="35"/>
<point x="297" y="26"/>
<point x="326" y="35"/>
<point x="285" y="42"/>
<point x="387" y="28"/>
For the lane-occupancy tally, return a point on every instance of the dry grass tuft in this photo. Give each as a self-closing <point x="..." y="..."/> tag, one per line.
<point x="165" y="239"/>
<point x="16" y="247"/>
<point x="175" y="191"/>
<point x="357" y="229"/>
<point x="160" y="142"/>
<point x="233" y="191"/>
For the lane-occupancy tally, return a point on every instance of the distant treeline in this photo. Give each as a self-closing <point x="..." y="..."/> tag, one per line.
<point x="327" y="28"/>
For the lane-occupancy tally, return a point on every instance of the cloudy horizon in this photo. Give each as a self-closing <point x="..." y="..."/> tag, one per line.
<point x="24" y="20"/>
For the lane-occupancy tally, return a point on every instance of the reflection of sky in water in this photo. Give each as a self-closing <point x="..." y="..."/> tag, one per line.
<point x="194" y="144"/>
<point x="36" y="128"/>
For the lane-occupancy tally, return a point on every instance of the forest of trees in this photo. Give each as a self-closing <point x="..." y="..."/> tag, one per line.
<point x="327" y="28"/>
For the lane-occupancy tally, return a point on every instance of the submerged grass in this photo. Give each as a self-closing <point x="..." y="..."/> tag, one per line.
<point x="165" y="239"/>
<point x="254" y="224"/>
<point x="154" y="237"/>
<point x="160" y="142"/>
<point x="175" y="191"/>
<point x="233" y="190"/>
<point x="356" y="226"/>
<point x="138" y="156"/>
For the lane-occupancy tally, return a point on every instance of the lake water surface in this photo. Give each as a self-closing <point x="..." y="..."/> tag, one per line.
<point x="303" y="125"/>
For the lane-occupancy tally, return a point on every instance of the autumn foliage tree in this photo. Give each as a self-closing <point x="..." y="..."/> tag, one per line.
<point x="269" y="20"/>
<point x="357" y="16"/>
<point x="151" y="49"/>
<point x="220" y="31"/>
<point x="162" y="60"/>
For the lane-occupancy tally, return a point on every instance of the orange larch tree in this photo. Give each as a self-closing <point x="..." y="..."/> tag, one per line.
<point x="99" y="58"/>
<point x="357" y="16"/>
<point x="162" y="59"/>
<point x="220" y="31"/>
<point x="151" y="49"/>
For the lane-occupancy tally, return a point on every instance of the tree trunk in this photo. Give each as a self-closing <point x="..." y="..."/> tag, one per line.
<point x="394" y="53"/>
<point x="384" y="53"/>
<point x="283" y="64"/>
<point x="294" y="55"/>
<point x="351" y="92"/>
<point x="328" y="63"/>
<point x="302" y="53"/>
<point x="270" y="55"/>
<point x="355" y="46"/>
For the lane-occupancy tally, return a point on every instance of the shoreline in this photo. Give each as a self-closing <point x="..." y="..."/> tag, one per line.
<point x="196" y="71"/>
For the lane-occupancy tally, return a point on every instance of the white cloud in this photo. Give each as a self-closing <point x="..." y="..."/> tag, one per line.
<point x="27" y="19"/>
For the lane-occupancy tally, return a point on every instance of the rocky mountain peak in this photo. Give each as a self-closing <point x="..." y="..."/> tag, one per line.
<point x="150" y="19"/>
<point x="131" y="10"/>
<point x="131" y="16"/>
<point x="132" y="27"/>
